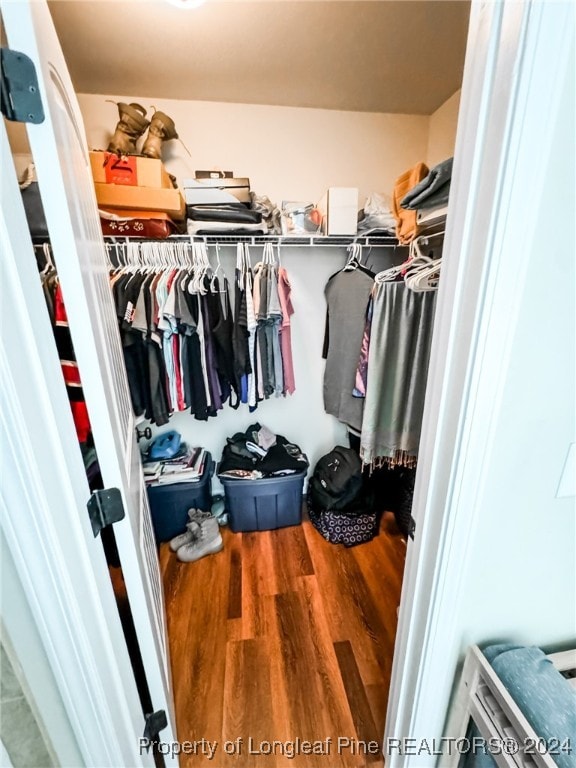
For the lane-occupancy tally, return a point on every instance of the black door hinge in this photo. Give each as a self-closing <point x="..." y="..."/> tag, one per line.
<point x="412" y="528"/>
<point x="104" y="508"/>
<point x="19" y="92"/>
<point x="155" y="722"/>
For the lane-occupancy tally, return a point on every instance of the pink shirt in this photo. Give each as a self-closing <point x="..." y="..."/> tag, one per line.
<point x="284" y="291"/>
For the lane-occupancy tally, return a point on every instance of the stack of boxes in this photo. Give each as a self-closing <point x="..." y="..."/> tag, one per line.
<point x="136" y="196"/>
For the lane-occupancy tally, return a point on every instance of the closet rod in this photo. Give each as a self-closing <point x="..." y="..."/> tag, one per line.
<point x="335" y="241"/>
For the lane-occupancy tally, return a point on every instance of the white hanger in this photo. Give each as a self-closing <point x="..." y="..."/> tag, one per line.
<point x="425" y="278"/>
<point x="48" y="256"/>
<point x="215" y="274"/>
<point x="355" y="257"/>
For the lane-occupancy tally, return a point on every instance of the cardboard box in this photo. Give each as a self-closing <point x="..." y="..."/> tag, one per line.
<point x="141" y="199"/>
<point x="215" y="191"/>
<point x="129" y="170"/>
<point x="339" y="209"/>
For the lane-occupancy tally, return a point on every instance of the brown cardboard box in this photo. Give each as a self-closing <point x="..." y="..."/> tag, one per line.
<point x="141" y="199"/>
<point x="129" y="170"/>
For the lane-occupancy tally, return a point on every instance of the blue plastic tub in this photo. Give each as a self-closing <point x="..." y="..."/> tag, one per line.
<point x="262" y="505"/>
<point x="169" y="504"/>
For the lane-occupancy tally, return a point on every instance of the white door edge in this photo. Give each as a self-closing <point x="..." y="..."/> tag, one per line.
<point x="43" y="513"/>
<point x="60" y="153"/>
<point x="489" y="219"/>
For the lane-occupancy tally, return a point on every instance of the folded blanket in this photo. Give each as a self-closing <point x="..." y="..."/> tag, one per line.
<point x="431" y="192"/>
<point x="406" y="228"/>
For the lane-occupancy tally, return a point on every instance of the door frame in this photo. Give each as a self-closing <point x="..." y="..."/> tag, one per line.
<point x="43" y="495"/>
<point x="504" y="139"/>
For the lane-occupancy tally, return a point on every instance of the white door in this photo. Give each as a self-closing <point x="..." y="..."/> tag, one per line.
<point x="60" y="153"/>
<point x="56" y="600"/>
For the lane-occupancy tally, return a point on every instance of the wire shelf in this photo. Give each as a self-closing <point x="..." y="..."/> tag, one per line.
<point x="323" y="241"/>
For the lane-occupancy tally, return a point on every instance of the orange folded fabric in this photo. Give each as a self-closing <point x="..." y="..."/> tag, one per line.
<point x="406" y="227"/>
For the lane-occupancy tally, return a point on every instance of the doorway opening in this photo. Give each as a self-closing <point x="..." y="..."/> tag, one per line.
<point x="284" y="636"/>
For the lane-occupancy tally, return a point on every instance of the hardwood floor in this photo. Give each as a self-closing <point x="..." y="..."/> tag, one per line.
<point x="279" y="637"/>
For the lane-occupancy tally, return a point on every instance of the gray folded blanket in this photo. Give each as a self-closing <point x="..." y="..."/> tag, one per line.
<point x="432" y="191"/>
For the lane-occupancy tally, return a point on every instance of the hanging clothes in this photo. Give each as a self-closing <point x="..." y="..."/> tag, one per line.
<point x="220" y="323"/>
<point x="398" y="359"/>
<point x="273" y="309"/>
<point x="70" y="368"/>
<point x="347" y="295"/>
<point x="242" y="360"/>
<point x="285" y="295"/>
<point x="58" y="319"/>
<point x="182" y="348"/>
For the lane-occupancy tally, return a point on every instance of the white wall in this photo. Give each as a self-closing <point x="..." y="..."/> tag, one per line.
<point x="520" y="583"/>
<point x="288" y="153"/>
<point x="442" y="131"/>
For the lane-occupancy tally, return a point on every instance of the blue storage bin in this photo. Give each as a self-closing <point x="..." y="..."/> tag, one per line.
<point x="169" y="504"/>
<point x="262" y="505"/>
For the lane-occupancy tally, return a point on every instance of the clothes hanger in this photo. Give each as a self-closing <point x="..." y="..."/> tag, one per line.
<point x="120" y="258"/>
<point x="240" y="266"/>
<point x="49" y="265"/>
<point x="269" y="256"/>
<point x="419" y="258"/>
<point x="197" y="265"/>
<point x="415" y="259"/>
<point x="355" y="258"/>
<point x="426" y="278"/>
<point x="215" y="274"/>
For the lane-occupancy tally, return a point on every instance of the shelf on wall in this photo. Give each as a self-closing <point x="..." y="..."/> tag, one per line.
<point x="335" y="241"/>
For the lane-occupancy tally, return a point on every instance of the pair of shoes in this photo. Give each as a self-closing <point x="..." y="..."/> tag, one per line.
<point x="131" y="126"/>
<point x="197" y="516"/>
<point x="202" y="537"/>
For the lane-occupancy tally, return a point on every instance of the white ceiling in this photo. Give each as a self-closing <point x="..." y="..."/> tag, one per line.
<point x="401" y="56"/>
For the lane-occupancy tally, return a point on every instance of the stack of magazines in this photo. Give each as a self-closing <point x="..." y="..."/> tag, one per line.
<point x="186" y="467"/>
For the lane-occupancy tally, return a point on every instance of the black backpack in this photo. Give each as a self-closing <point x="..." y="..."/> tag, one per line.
<point x="336" y="483"/>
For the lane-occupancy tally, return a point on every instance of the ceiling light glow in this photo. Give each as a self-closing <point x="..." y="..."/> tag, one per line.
<point x="187" y="4"/>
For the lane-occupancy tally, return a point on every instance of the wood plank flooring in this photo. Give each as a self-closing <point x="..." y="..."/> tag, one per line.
<point x="279" y="637"/>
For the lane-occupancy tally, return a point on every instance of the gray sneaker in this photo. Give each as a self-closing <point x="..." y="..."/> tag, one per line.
<point x="186" y="537"/>
<point x="206" y="540"/>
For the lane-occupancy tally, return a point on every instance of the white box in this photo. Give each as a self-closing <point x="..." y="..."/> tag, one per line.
<point x="339" y="209"/>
